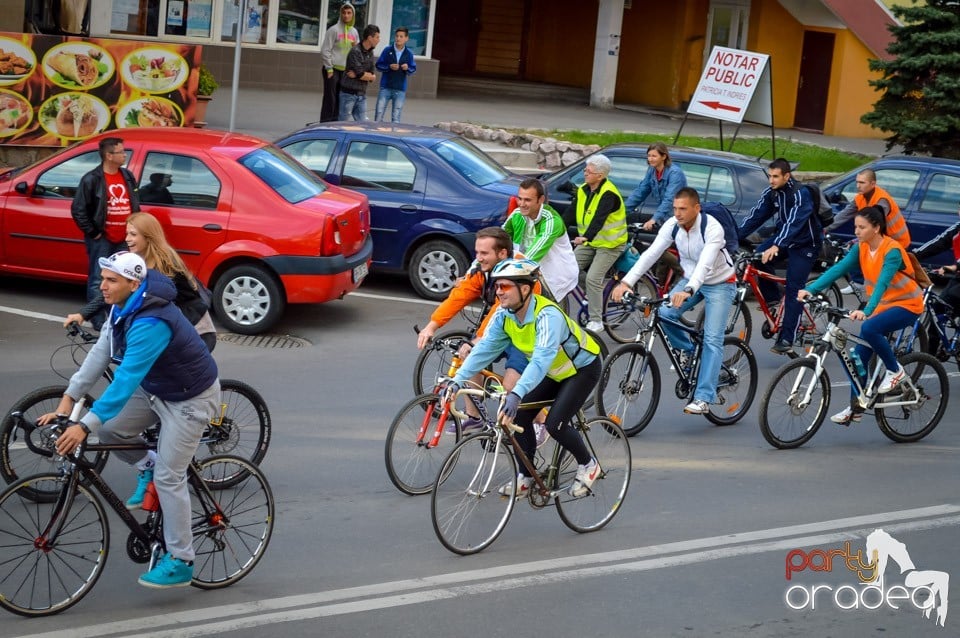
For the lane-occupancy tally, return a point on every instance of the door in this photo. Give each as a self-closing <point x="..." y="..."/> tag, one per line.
<point x="455" y="30"/>
<point x="813" y="86"/>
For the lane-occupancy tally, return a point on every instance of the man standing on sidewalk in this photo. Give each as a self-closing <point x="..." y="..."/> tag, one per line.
<point x="395" y="63"/>
<point x="358" y="76"/>
<point x="337" y="42"/>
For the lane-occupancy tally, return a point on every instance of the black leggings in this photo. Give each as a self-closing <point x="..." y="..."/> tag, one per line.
<point x="568" y="397"/>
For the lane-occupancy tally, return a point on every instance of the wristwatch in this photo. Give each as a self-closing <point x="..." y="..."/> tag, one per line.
<point x="688" y="290"/>
<point x="83" y="426"/>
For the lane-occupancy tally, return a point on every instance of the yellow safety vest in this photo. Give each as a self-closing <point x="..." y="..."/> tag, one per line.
<point x="524" y="338"/>
<point x="614" y="231"/>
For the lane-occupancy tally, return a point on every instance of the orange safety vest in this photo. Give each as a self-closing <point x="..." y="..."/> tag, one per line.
<point x="896" y="224"/>
<point x="903" y="291"/>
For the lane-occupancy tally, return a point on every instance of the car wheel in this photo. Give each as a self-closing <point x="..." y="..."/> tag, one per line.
<point x="435" y="268"/>
<point x="248" y="300"/>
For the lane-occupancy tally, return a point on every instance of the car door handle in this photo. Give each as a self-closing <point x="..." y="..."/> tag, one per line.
<point x="213" y="228"/>
<point x="409" y="208"/>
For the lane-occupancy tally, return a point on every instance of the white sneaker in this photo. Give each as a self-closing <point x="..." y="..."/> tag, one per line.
<point x="846" y="416"/>
<point x="697" y="407"/>
<point x="524" y="483"/>
<point x="846" y="290"/>
<point x="586" y="475"/>
<point x="891" y="380"/>
<point x="594" y="326"/>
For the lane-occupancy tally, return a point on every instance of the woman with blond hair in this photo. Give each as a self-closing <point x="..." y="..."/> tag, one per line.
<point x="145" y="237"/>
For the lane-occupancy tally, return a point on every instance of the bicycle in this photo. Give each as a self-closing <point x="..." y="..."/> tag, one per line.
<point x="243" y="426"/>
<point x="469" y="513"/>
<point x="908" y="413"/>
<point x="54" y="551"/>
<point x="629" y="387"/>
<point x="831" y="253"/>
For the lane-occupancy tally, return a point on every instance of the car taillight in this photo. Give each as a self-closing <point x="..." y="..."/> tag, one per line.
<point x="330" y="245"/>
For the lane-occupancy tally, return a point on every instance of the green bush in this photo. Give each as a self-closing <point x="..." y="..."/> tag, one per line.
<point x="208" y="84"/>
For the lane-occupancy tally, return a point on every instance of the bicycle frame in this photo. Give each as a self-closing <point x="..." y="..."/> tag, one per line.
<point x="751" y="276"/>
<point x="655" y="330"/>
<point x="930" y="317"/>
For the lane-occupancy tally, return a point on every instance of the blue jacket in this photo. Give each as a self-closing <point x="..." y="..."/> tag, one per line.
<point x="664" y="190"/>
<point x="395" y="80"/>
<point x="793" y="207"/>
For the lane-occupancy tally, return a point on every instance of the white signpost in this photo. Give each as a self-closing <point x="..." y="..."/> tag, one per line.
<point x="735" y="87"/>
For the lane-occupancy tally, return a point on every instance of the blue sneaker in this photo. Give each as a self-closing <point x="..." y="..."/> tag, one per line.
<point x="467" y="425"/>
<point x="168" y="572"/>
<point x="143" y="480"/>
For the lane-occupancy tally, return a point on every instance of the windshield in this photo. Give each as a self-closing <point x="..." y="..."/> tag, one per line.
<point x="283" y="174"/>
<point x="469" y="161"/>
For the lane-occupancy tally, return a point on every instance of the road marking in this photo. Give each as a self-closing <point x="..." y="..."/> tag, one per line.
<point x="31" y="314"/>
<point x="220" y="619"/>
<point x="368" y="295"/>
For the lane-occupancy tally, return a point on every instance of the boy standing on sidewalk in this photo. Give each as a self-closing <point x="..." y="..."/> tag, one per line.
<point x="396" y="63"/>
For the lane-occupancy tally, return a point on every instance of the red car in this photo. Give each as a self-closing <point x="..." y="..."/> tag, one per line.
<point x="255" y="226"/>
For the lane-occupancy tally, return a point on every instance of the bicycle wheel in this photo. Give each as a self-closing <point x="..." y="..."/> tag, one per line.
<point x="785" y="418"/>
<point x="232" y="526"/>
<point x="913" y="338"/>
<point x="737" y="385"/>
<point x="41" y="578"/>
<point x="814" y="324"/>
<point x="629" y="389"/>
<point x="412" y="463"/>
<point x="739" y="321"/>
<point x="466" y="508"/>
<point x="16" y="459"/>
<point x="243" y="426"/>
<point x="609" y="446"/>
<point x="621" y="321"/>
<point x="433" y="361"/>
<point x="929" y="387"/>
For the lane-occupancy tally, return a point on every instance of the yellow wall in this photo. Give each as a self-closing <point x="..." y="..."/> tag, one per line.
<point x="774" y="31"/>
<point x="560" y="41"/>
<point x="850" y="94"/>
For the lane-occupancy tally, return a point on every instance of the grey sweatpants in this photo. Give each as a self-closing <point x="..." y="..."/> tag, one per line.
<point x="181" y="424"/>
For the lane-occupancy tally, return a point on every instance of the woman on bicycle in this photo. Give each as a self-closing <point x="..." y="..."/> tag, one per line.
<point x="145" y="237"/>
<point x="894" y="300"/>
<point x="663" y="180"/>
<point x="947" y="240"/>
<point x="563" y="366"/>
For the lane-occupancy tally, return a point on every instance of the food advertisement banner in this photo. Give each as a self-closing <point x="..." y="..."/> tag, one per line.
<point x="56" y="90"/>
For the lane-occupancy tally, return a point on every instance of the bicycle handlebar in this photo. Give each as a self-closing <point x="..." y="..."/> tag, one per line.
<point x="28" y="429"/>
<point x="475" y="392"/>
<point x="76" y="330"/>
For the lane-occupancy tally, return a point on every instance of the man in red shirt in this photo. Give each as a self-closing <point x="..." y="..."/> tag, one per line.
<point x="107" y="195"/>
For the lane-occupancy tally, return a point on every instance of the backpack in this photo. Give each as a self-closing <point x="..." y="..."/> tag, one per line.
<point x="723" y="215"/>
<point x="821" y="207"/>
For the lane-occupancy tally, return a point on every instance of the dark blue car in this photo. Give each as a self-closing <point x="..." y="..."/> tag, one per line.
<point x="927" y="189"/>
<point x="430" y="191"/>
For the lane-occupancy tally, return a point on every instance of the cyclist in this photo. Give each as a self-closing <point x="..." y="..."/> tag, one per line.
<point x="563" y="365"/>
<point x="947" y="240"/>
<point x="708" y="274"/>
<point x="601" y="232"/>
<point x="663" y="180"/>
<point x="539" y="233"/>
<point x="492" y="245"/>
<point x="894" y="298"/>
<point x="165" y="374"/>
<point x="797" y="241"/>
<point x="145" y="237"/>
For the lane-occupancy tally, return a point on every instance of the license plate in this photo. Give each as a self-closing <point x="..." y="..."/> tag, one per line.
<point x="359" y="272"/>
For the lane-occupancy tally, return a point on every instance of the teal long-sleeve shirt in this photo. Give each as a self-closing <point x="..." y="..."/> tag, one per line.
<point x="892" y="264"/>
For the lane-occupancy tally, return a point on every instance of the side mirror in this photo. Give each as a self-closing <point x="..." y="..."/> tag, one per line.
<point x="568" y="187"/>
<point x="22" y="187"/>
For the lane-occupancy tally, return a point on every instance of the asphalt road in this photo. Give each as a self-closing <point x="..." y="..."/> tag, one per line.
<point x="699" y="547"/>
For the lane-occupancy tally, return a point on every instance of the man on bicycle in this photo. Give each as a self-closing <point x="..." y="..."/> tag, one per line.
<point x="539" y="233"/>
<point x="797" y="241"/>
<point x="563" y="366"/>
<point x="708" y="274"/>
<point x="165" y="374"/>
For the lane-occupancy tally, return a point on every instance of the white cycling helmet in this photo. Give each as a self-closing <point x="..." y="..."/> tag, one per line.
<point x="518" y="271"/>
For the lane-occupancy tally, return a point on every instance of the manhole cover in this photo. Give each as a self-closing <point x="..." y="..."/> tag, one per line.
<point x="263" y="341"/>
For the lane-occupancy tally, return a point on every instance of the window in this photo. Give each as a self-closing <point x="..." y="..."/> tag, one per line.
<point x="63" y="179"/>
<point x="298" y="22"/>
<point x="415" y="15"/>
<point x="469" y="162"/>
<point x="371" y="165"/>
<point x="314" y="154"/>
<point x="727" y="24"/>
<point x="720" y="188"/>
<point x="178" y="180"/>
<point x="254" y="21"/>
<point x="942" y="196"/>
<point x="289" y="179"/>
<point x="899" y="183"/>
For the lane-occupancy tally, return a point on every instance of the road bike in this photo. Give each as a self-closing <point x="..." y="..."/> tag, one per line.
<point x="469" y="513"/>
<point x="243" y="426"/>
<point x="630" y="383"/>
<point x="55" y="550"/>
<point x="795" y="402"/>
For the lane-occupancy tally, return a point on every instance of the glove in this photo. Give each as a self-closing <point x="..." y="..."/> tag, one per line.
<point x="450" y="392"/>
<point x="510" y="405"/>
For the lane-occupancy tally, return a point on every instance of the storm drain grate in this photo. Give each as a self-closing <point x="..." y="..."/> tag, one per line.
<point x="263" y="341"/>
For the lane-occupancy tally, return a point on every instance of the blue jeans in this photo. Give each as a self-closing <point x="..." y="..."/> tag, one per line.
<point x="386" y="95"/>
<point x="719" y="299"/>
<point x="353" y="107"/>
<point x="875" y="331"/>
<point x="799" y="264"/>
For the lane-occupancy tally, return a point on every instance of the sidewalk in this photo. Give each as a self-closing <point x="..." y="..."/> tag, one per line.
<point x="271" y="114"/>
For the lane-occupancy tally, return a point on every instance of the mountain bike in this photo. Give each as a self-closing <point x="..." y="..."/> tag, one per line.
<point x="795" y="402"/>
<point x="630" y="384"/>
<point x="55" y="550"/>
<point x="469" y="513"/>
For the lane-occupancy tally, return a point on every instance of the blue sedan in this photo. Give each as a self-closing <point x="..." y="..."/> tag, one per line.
<point x="430" y="191"/>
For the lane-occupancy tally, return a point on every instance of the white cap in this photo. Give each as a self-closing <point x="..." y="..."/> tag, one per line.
<point x="126" y="264"/>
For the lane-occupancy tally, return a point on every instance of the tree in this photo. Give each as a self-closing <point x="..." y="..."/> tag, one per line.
<point x="920" y="104"/>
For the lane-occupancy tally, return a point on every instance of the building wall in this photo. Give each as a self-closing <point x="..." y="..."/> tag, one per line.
<point x="651" y="54"/>
<point x="775" y="32"/>
<point x="850" y="95"/>
<point x="560" y="41"/>
<point x="500" y="38"/>
<point x="11" y="16"/>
